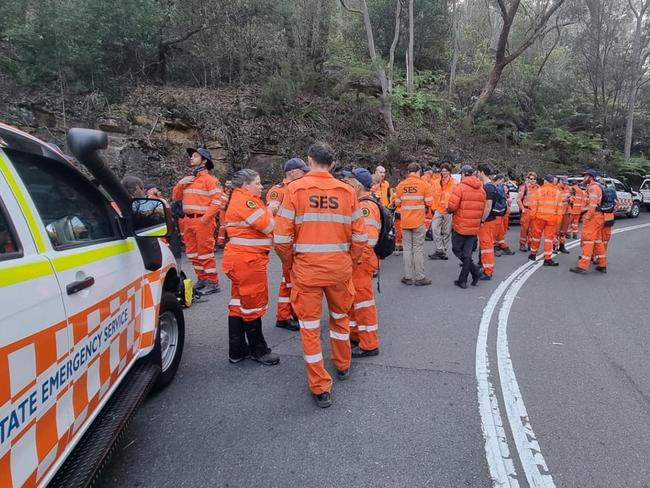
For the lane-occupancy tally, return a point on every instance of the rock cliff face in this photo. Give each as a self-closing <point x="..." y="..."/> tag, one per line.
<point x="150" y="128"/>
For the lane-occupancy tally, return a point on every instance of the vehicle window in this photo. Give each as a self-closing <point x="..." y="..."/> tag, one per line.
<point x="646" y="185"/>
<point x="74" y="212"/>
<point x="619" y="186"/>
<point x="9" y="245"/>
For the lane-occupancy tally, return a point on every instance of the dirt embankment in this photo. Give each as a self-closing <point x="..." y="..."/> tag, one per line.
<point x="150" y="128"/>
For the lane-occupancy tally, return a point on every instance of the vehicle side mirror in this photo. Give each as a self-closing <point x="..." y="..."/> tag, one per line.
<point x="150" y="218"/>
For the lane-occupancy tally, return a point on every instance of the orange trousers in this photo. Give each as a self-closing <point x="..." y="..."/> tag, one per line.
<point x="546" y="228"/>
<point x="573" y="225"/>
<point x="249" y="293"/>
<point x="221" y="235"/>
<point x="398" y="232"/>
<point x="591" y="242"/>
<point x="363" y="316"/>
<point x="525" y="228"/>
<point x="486" y="244"/>
<point x="285" y="311"/>
<point x="500" y="230"/>
<point x="606" y="236"/>
<point x="199" y="247"/>
<point x="562" y="230"/>
<point x="307" y="302"/>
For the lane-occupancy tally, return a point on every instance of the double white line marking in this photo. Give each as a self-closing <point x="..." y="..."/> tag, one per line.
<point x="499" y="458"/>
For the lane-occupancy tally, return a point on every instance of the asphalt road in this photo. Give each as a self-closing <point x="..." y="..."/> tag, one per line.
<point x="410" y="416"/>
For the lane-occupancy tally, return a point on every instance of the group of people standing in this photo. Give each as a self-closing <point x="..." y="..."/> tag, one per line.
<point x="325" y="229"/>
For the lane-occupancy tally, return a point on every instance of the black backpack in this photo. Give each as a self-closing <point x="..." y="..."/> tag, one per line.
<point x="386" y="240"/>
<point x="608" y="203"/>
<point x="500" y="204"/>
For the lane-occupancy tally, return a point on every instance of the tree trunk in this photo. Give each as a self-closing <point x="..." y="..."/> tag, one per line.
<point x="456" y="48"/>
<point x="410" y="87"/>
<point x="487" y="91"/>
<point x="634" y="78"/>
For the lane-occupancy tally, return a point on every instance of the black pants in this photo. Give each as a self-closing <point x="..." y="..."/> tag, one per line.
<point x="463" y="247"/>
<point x="239" y="331"/>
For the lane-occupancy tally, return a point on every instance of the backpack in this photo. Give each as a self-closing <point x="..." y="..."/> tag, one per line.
<point x="185" y="293"/>
<point x="499" y="204"/>
<point x="386" y="240"/>
<point x="608" y="203"/>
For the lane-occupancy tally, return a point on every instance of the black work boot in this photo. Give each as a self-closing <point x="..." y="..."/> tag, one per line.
<point x="532" y="256"/>
<point x="344" y="374"/>
<point x="323" y="400"/>
<point x="288" y="324"/>
<point x="259" y="349"/>
<point x="550" y="262"/>
<point x="577" y="270"/>
<point x="564" y="250"/>
<point x="237" y="347"/>
<point x="461" y="284"/>
<point x="357" y="352"/>
<point x="601" y="269"/>
<point x="476" y="274"/>
<point x="507" y="251"/>
<point x="523" y="248"/>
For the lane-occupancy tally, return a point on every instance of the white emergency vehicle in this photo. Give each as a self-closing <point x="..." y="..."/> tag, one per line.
<point x="89" y="320"/>
<point x="644" y="190"/>
<point x="629" y="201"/>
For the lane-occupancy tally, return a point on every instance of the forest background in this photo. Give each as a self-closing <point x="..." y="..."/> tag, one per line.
<point x="550" y="85"/>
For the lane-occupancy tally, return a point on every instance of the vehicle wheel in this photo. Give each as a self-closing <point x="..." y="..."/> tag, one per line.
<point x="170" y="339"/>
<point x="634" y="211"/>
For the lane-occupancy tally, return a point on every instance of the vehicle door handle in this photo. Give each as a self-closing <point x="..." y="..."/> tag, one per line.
<point x="77" y="286"/>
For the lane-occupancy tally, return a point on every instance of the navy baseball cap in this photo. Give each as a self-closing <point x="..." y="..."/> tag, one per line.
<point x="362" y="175"/>
<point x="549" y="178"/>
<point x="295" y="163"/>
<point x="467" y="169"/>
<point x="591" y="172"/>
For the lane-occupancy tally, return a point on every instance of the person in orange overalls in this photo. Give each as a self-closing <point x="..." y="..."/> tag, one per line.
<point x="413" y="197"/>
<point x="397" y="225"/>
<point x="320" y="235"/>
<point x="545" y="210"/>
<point x="565" y="215"/>
<point x="381" y="189"/>
<point x="526" y="190"/>
<point x="202" y="199"/>
<point x="294" y="169"/>
<point x="591" y="240"/>
<point x="363" y="316"/>
<point x="501" y="226"/>
<point x="576" y="206"/>
<point x="245" y="259"/>
<point x="488" y="222"/>
<point x="428" y="177"/>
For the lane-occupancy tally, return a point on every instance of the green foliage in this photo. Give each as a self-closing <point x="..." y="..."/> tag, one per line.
<point x="633" y="168"/>
<point x="568" y="147"/>
<point x="276" y="95"/>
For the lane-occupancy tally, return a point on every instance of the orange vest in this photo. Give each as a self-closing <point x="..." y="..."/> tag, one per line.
<point x="381" y="191"/>
<point x="275" y="196"/>
<point x="525" y="195"/>
<point x="577" y="200"/>
<point x="249" y="223"/>
<point x="545" y="202"/>
<point x="442" y="193"/>
<point x="593" y="199"/>
<point x="372" y="221"/>
<point x="203" y="196"/>
<point x="320" y="230"/>
<point x="412" y="197"/>
<point x="565" y="196"/>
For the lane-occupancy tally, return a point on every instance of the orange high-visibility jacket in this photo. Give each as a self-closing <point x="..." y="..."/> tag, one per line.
<point x="320" y="230"/>
<point x="442" y="192"/>
<point x="372" y="221"/>
<point x="577" y="201"/>
<point x="412" y="197"/>
<point x="565" y="195"/>
<point x="249" y="223"/>
<point x="275" y="196"/>
<point x="525" y="195"/>
<point x="382" y="191"/>
<point x="203" y="196"/>
<point x="545" y="202"/>
<point x="594" y="197"/>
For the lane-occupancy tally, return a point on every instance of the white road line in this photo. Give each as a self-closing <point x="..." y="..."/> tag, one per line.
<point x="528" y="449"/>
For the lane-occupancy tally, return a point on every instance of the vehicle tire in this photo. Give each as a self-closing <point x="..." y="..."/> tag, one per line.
<point x="170" y="339"/>
<point x="634" y="211"/>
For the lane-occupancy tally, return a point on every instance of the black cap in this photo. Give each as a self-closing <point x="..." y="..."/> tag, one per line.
<point x="591" y="172"/>
<point x="295" y="163"/>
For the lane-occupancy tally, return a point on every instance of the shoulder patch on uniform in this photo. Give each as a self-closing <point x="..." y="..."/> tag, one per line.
<point x="251" y="204"/>
<point x="366" y="211"/>
<point x="273" y="194"/>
